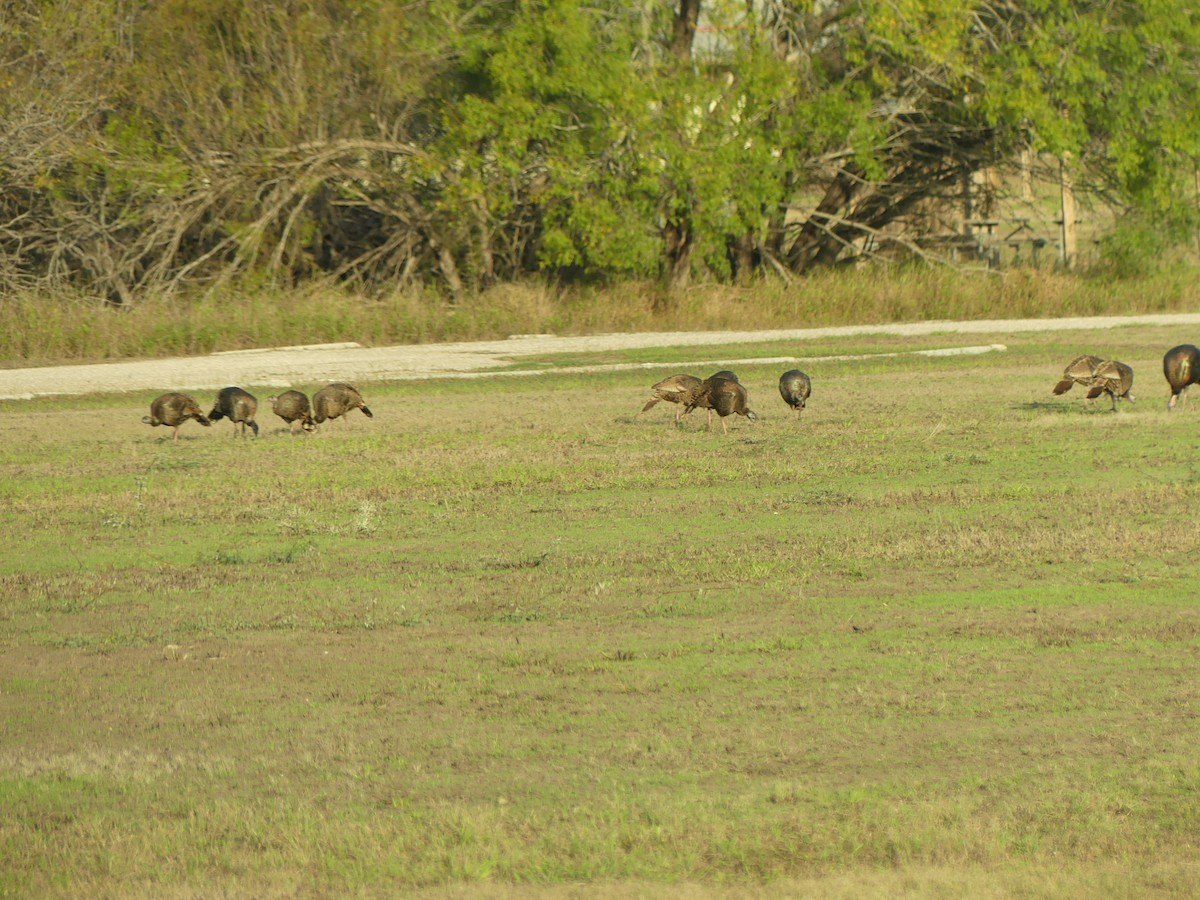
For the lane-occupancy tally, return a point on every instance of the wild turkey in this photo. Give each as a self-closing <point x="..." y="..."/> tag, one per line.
<point x="1181" y="366"/>
<point x="678" y="389"/>
<point x="725" y="396"/>
<point x="238" y="407"/>
<point x="795" y="388"/>
<point x="293" y="407"/>
<point x="336" y="400"/>
<point x="1080" y="370"/>
<point x="174" y="409"/>
<point x="702" y="396"/>
<point x="1112" y="378"/>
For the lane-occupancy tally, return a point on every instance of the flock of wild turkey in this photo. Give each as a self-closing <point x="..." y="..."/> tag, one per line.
<point x="240" y="408"/>
<point x="1099" y="376"/>
<point x="721" y="393"/>
<point x="1181" y="368"/>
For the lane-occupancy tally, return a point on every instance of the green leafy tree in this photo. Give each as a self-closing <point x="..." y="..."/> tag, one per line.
<point x="152" y="146"/>
<point x="955" y="87"/>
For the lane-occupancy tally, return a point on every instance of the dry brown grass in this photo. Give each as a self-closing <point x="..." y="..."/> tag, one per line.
<point x="39" y="329"/>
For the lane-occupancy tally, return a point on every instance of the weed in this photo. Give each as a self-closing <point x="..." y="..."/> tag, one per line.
<point x="293" y="553"/>
<point x="365" y="521"/>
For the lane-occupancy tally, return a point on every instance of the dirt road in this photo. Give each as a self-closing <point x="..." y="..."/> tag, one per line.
<point x="284" y="366"/>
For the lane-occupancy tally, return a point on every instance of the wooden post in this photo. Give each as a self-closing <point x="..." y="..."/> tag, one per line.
<point x="968" y="206"/>
<point x="1198" y="204"/>
<point x="1066" y="248"/>
<point x="1026" y="174"/>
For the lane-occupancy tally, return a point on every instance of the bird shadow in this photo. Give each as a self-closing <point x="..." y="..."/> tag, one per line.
<point x="1050" y="406"/>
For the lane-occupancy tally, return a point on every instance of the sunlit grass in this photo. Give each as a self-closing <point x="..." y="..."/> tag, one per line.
<point x="37" y="328"/>
<point x="939" y="636"/>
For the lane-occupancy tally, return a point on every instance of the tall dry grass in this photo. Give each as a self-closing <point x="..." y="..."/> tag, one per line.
<point x="37" y="328"/>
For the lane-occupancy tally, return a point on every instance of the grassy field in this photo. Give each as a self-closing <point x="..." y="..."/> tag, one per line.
<point x="939" y="638"/>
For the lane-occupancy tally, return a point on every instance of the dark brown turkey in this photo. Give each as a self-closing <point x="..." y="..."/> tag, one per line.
<point x="238" y="407"/>
<point x="724" y="395"/>
<point x="795" y="388"/>
<point x="336" y="400"/>
<point x="1181" y="366"/>
<point x="1081" y="370"/>
<point x="678" y="389"/>
<point x="293" y="407"/>
<point x="173" y="410"/>
<point x="1112" y="378"/>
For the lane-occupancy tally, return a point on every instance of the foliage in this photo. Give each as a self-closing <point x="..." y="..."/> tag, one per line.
<point x="1119" y="98"/>
<point x="162" y="146"/>
<point x="1140" y="244"/>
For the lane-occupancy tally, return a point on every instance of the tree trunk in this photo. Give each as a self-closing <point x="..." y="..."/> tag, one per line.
<point x="449" y="270"/>
<point x="777" y="224"/>
<point x="741" y="256"/>
<point x="677" y="241"/>
<point x="815" y="244"/>
<point x="685" y="28"/>
<point x="487" y="260"/>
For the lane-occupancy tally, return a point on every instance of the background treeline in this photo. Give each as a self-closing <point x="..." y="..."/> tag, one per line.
<point x="147" y="147"/>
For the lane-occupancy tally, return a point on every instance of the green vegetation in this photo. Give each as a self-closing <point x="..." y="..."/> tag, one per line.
<point x="939" y="637"/>
<point x="184" y="145"/>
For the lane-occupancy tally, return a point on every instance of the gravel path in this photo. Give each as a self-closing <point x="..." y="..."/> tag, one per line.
<point x="284" y="366"/>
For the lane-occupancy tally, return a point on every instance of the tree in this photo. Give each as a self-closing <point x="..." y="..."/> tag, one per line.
<point x="954" y="87"/>
<point x="159" y="146"/>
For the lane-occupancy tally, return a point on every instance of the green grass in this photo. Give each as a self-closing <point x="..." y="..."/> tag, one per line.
<point x="939" y="638"/>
